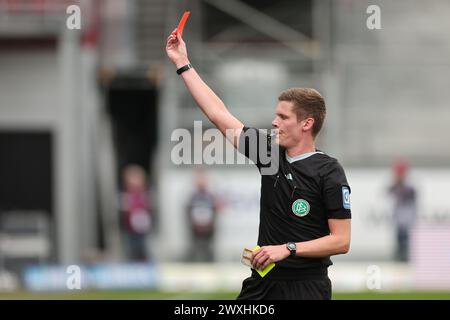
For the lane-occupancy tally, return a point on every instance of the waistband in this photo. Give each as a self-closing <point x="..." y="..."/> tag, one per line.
<point x="280" y="273"/>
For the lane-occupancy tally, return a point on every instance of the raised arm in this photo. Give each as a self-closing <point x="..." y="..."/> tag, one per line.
<point x="206" y="99"/>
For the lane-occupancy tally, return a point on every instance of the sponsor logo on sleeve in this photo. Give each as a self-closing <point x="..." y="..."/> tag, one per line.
<point x="346" y="197"/>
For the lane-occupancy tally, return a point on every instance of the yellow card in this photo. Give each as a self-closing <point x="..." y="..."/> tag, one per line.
<point x="263" y="273"/>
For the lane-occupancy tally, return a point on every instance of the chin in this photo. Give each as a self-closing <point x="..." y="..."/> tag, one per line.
<point x="281" y="144"/>
<point x="277" y="139"/>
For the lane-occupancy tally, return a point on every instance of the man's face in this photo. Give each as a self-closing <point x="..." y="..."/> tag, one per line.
<point x="289" y="129"/>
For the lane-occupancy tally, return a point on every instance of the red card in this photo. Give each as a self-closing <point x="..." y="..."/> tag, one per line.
<point x="182" y="23"/>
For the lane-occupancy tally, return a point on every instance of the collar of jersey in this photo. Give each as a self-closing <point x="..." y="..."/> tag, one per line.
<point x="301" y="157"/>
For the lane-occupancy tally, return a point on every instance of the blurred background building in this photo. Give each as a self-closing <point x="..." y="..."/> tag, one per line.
<point x="79" y="106"/>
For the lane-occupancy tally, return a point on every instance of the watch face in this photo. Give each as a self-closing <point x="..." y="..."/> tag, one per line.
<point x="291" y="246"/>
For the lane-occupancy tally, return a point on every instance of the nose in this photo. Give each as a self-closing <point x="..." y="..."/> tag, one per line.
<point x="275" y="123"/>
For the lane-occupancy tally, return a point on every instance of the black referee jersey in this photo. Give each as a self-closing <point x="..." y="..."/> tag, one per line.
<point x="297" y="201"/>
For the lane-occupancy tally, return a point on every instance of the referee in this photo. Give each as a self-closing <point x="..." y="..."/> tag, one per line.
<point x="305" y="204"/>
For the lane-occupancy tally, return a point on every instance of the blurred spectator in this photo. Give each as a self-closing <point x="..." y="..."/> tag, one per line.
<point x="404" y="209"/>
<point x="202" y="210"/>
<point x="136" y="212"/>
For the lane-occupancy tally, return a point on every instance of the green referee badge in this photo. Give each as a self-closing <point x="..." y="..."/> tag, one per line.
<point x="300" y="207"/>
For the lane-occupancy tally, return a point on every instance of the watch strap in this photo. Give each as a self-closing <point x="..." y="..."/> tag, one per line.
<point x="184" y="68"/>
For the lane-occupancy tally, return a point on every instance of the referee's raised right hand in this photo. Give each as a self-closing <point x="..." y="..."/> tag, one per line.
<point x="176" y="50"/>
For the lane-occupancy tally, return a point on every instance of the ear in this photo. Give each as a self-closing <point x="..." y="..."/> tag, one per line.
<point x="308" y="124"/>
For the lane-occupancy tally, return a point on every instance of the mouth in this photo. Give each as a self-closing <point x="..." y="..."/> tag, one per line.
<point x="276" y="135"/>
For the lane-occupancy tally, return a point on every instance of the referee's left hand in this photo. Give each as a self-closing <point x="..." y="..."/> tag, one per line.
<point x="268" y="254"/>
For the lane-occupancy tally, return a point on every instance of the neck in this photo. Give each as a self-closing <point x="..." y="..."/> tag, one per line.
<point x="301" y="148"/>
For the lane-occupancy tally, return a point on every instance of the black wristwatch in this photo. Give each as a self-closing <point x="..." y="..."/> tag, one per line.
<point x="292" y="247"/>
<point x="184" y="68"/>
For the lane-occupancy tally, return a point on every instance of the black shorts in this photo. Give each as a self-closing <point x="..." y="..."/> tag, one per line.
<point x="317" y="287"/>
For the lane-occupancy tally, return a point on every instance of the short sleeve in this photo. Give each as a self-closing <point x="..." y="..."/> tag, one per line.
<point x="336" y="192"/>
<point x="255" y="144"/>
